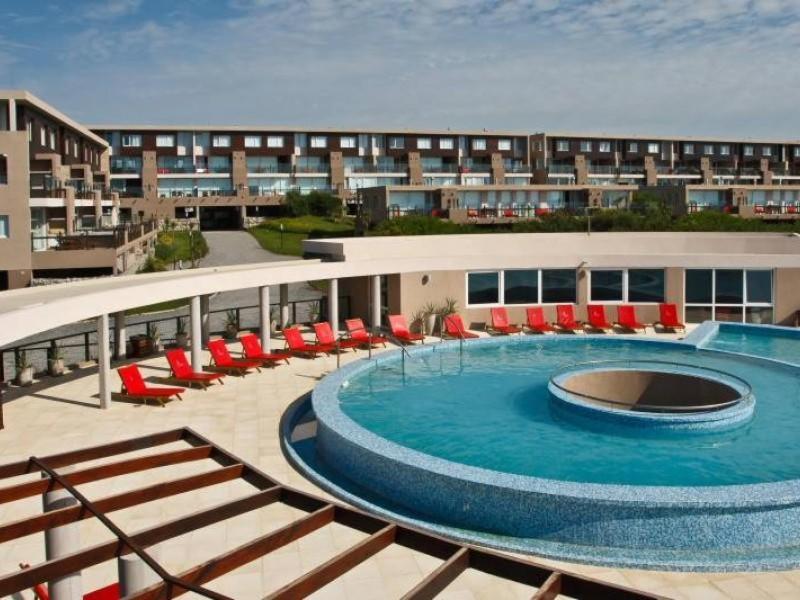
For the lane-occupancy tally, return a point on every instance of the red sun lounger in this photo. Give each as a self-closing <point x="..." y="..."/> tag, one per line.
<point x="536" y="321"/>
<point x="358" y="332"/>
<point x="134" y="386"/>
<point x="500" y="322"/>
<point x="597" y="318"/>
<point x="565" y="319"/>
<point x="626" y="318"/>
<point x="223" y="360"/>
<point x="669" y="318"/>
<point x="299" y="347"/>
<point x="454" y="328"/>
<point x="399" y="327"/>
<point x="182" y="371"/>
<point x="325" y="337"/>
<point x="253" y="351"/>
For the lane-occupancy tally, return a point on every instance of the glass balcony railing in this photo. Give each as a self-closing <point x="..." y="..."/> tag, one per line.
<point x="391" y="168"/>
<point x="561" y="169"/>
<point x="194" y="193"/>
<point x="631" y="169"/>
<point x="312" y="168"/>
<point x="477" y="168"/>
<point x="279" y="168"/>
<point x="602" y="169"/>
<point x="126" y="166"/>
<point x="518" y="168"/>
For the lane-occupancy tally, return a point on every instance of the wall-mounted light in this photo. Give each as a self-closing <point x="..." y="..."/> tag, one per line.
<point x="426" y="279"/>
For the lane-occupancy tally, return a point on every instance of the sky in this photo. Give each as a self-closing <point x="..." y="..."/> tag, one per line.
<point x="664" y="67"/>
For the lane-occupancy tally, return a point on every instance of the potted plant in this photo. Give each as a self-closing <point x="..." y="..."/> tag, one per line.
<point x="181" y="337"/>
<point x="155" y="337"/>
<point x="55" y="360"/>
<point x="430" y="312"/>
<point x="231" y="324"/>
<point x="24" y="375"/>
<point x="418" y="321"/>
<point x="313" y="311"/>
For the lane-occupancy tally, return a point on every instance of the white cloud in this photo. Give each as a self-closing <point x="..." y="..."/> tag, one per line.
<point x="110" y="9"/>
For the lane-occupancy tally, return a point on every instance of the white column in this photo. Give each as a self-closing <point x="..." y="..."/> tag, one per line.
<point x="333" y="305"/>
<point x="264" y="321"/>
<point x="12" y="114"/>
<point x="119" y="335"/>
<point x="375" y="317"/>
<point x="60" y="541"/>
<point x="196" y="333"/>
<point x="205" y="324"/>
<point x="103" y="360"/>
<point x="284" y="300"/>
<point x="134" y="574"/>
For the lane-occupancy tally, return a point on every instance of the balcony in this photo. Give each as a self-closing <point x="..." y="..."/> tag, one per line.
<point x="126" y="166"/>
<point x="312" y="168"/>
<point x="259" y="169"/>
<point x="390" y="168"/>
<point x="602" y="169"/>
<point x="91" y="239"/>
<point x="130" y="192"/>
<point x="440" y="168"/>
<point x="561" y="169"/>
<point x="518" y="168"/>
<point x="476" y="167"/>
<point x="195" y="193"/>
<point x="45" y="186"/>
<point x="631" y="169"/>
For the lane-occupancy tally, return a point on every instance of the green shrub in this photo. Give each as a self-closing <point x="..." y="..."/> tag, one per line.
<point x="421" y="225"/>
<point x="152" y="265"/>
<point x="315" y="203"/>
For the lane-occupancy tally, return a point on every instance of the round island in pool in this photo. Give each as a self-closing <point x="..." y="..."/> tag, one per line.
<point x="466" y="440"/>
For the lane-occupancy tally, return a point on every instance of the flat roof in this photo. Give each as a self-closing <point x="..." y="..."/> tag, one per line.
<point x="663" y="138"/>
<point x="285" y="129"/>
<point x="26" y="97"/>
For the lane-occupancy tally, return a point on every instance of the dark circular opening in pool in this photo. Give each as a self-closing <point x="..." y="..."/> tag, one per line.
<point x="468" y="439"/>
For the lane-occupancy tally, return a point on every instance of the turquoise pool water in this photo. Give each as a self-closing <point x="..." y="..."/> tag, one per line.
<point x="770" y="342"/>
<point x="489" y="407"/>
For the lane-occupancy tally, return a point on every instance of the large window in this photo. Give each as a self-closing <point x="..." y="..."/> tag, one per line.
<point x="274" y="141"/>
<point x="165" y="141"/>
<point x="504" y="145"/>
<point x="521" y="286"/>
<point x="396" y="142"/>
<point x="626" y="285"/>
<point x="604" y="147"/>
<point x="221" y="141"/>
<point x="347" y="141"/>
<point x="424" y="143"/>
<point x="446" y="144"/>
<point x="479" y="144"/>
<point x="653" y="148"/>
<point x="729" y="295"/>
<point x="319" y="141"/>
<point x="586" y="146"/>
<point x="252" y="141"/>
<point x="562" y="146"/>
<point x="131" y="141"/>
<point x="4" y="228"/>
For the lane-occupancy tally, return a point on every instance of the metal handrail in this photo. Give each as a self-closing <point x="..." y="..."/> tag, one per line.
<point x="748" y="390"/>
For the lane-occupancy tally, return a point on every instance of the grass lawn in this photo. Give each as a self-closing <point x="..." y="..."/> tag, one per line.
<point x="177" y="245"/>
<point x="295" y="230"/>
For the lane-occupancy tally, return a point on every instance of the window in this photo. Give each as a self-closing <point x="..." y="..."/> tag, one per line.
<point x="43" y="136"/>
<point x="605" y="147"/>
<point x="4" y="227"/>
<point x="688" y="148"/>
<point x="729" y="295"/>
<point x="397" y="142"/>
<point x="558" y="285"/>
<point x="479" y="144"/>
<point x="29" y="127"/>
<point x="221" y="141"/>
<point x="748" y="150"/>
<point x="504" y="144"/>
<point x="483" y="288"/>
<point x="708" y="149"/>
<point x="165" y="141"/>
<point x="627" y="285"/>
<point x="131" y="141"/>
<point x="274" y="141"/>
<point x="319" y="141"/>
<point x="633" y="147"/>
<point x="725" y="150"/>
<point x="424" y="143"/>
<point x="562" y="146"/>
<point x="796" y="152"/>
<point x="75" y="149"/>
<point x="653" y="148"/>
<point x="347" y="141"/>
<point x="53" y="140"/>
<point x="586" y="146"/>
<point x="252" y="141"/>
<point x="3" y="170"/>
<point x="446" y="144"/>
<point x="521" y="286"/>
<point x="766" y="151"/>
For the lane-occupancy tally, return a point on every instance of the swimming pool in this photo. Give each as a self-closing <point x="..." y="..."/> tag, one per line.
<point x="466" y="440"/>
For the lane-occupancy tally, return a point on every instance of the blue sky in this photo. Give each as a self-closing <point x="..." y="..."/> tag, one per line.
<point x="715" y="67"/>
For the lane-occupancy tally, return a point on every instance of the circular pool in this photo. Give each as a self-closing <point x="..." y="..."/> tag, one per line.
<point x="465" y="440"/>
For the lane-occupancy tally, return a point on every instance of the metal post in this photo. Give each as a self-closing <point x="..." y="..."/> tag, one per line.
<point x="103" y="360"/>
<point x="119" y="335"/>
<point x="196" y="333"/>
<point x="205" y="322"/>
<point x="333" y="305"/>
<point x="283" y="290"/>
<point x="264" y="321"/>
<point x="375" y="317"/>
<point x="61" y="541"/>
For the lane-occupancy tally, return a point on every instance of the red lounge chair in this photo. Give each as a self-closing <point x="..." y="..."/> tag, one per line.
<point x="454" y="328"/>
<point x="134" y="386"/>
<point x="325" y="337"/>
<point x="399" y="327"/>
<point x="183" y="374"/>
<point x="626" y="319"/>
<point x="500" y="322"/>
<point x="669" y="318"/>
<point x="110" y="592"/>
<point x="298" y="346"/>
<point x="597" y="318"/>
<point x="253" y="351"/>
<point x="565" y="319"/>
<point x="536" y="321"/>
<point x="359" y="333"/>
<point x="224" y="361"/>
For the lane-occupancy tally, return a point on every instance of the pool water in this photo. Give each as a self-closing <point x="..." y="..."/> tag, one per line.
<point x="770" y="342"/>
<point x="489" y="407"/>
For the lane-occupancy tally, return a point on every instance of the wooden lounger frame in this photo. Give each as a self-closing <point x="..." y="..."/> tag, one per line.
<point x="319" y="513"/>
